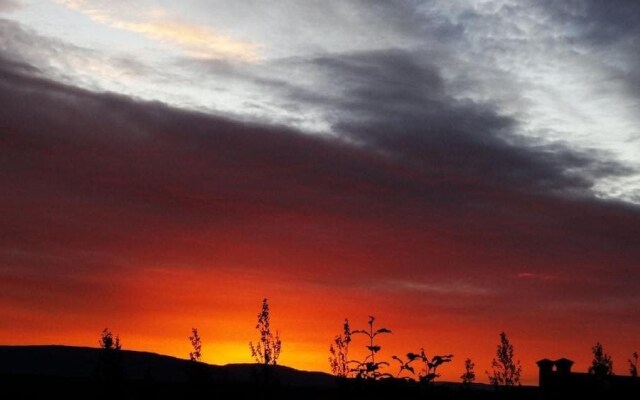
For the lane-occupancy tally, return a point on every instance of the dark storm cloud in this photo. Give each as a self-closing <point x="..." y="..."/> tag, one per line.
<point x="89" y="175"/>
<point x="397" y="103"/>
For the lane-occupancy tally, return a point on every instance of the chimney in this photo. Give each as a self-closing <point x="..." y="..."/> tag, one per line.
<point x="563" y="366"/>
<point x="545" y="367"/>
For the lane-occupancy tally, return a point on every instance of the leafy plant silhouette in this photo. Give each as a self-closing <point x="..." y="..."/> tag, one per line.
<point x="339" y="352"/>
<point x="505" y="371"/>
<point x="404" y="366"/>
<point x="369" y="368"/>
<point x="633" y="364"/>
<point x="601" y="363"/>
<point x="268" y="348"/>
<point x="196" y="344"/>
<point x="469" y="374"/>
<point x="430" y="366"/>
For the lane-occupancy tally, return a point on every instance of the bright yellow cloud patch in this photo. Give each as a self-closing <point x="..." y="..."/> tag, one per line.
<point x="195" y="40"/>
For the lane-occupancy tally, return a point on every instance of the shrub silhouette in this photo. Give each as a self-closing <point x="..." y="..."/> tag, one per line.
<point x="430" y="366"/>
<point x="339" y="352"/>
<point x="601" y="363"/>
<point x="505" y="372"/>
<point x="369" y="368"/>
<point x="107" y="341"/>
<point x="196" y="344"/>
<point x="469" y="375"/>
<point x="110" y="368"/>
<point x="633" y="364"/>
<point x="268" y="348"/>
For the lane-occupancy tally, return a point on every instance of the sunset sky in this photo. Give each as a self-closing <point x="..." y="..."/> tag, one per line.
<point x="455" y="168"/>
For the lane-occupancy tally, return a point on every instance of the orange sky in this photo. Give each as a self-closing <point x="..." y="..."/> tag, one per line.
<point x="154" y="311"/>
<point x="151" y="220"/>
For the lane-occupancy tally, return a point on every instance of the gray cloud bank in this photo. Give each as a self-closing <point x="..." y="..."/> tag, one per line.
<point x="431" y="194"/>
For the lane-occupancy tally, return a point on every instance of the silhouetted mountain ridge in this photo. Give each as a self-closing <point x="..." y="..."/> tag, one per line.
<point x="82" y="362"/>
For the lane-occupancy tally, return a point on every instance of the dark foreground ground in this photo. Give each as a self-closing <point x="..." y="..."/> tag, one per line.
<point x="39" y="387"/>
<point x="68" y="373"/>
<point x="62" y="372"/>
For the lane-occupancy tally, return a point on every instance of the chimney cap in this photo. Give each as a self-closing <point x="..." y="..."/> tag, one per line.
<point x="545" y="362"/>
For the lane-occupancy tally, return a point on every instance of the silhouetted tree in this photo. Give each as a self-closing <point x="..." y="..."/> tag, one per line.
<point x="505" y="372"/>
<point x="268" y="348"/>
<point x="369" y="368"/>
<point x="601" y="363"/>
<point x="110" y="368"/>
<point x="633" y="364"/>
<point x="196" y="344"/>
<point x="107" y="341"/>
<point x="469" y="375"/>
<point x="339" y="349"/>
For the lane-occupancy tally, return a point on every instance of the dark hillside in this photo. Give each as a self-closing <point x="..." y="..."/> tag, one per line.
<point x="39" y="372"/>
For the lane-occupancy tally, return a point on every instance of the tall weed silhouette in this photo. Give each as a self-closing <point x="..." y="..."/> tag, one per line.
<point x="369" y="368"/>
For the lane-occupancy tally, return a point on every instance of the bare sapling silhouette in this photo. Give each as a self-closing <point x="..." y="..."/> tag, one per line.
<point x="602" y="364"/>
<point x="505" y="371"/>
<point x="339" y="352"/>
<point x="469" y="375"/>
<point x="269" y="346"/>
<point x="197" y="372"/>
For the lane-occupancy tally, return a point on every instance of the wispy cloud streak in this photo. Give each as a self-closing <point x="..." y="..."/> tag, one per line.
<point x="194" y="40"/>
